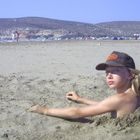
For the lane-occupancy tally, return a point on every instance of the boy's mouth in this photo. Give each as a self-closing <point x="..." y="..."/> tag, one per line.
<point x="110" y="82"/>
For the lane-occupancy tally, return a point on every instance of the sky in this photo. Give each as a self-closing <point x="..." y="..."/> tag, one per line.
<point x="87" y="11"/>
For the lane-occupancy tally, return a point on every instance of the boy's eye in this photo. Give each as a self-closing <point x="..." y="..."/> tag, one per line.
<point x="113" y="71"/>
<point x="106" y="73"/>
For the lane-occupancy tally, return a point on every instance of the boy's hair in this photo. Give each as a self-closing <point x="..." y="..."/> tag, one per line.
<point x="136" y="85"/>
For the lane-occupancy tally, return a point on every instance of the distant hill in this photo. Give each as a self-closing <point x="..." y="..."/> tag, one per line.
<point x="120" y="28"/>
<point x="46" y="26"/>
<point x="44" y="23"/>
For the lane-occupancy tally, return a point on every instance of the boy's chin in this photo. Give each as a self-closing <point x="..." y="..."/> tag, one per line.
<point x="111" y="86"/>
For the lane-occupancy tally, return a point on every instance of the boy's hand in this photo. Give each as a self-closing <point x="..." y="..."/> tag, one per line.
<point x="37" y="109"/>
<point x="72" y="96"/>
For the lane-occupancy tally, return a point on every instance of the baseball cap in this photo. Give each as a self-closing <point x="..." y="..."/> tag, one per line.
<point x="119" y="59"/>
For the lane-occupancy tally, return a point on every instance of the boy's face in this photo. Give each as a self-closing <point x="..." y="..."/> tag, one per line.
<point x="117" y="77"/>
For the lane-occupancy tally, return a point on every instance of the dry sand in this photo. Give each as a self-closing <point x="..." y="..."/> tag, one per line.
<point x="43" y="73"/>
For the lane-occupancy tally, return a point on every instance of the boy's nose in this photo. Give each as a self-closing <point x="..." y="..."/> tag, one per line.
<point x="109" y="75"/>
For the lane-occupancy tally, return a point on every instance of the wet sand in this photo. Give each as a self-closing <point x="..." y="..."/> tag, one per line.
<point x="42" y="73"/>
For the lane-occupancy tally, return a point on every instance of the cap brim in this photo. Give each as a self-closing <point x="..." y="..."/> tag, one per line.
<point x="101" y="66"/>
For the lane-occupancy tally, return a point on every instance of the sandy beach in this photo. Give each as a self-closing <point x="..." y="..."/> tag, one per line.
<point x="42" y="73"/>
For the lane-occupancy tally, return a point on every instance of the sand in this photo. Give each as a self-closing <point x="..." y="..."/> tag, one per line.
<point x="42" y="73"/>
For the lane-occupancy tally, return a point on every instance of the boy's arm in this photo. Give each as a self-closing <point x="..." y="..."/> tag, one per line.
<point x="107" y="105"/>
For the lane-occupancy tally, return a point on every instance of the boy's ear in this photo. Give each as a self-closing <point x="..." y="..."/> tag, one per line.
<point x="131" y="75"/>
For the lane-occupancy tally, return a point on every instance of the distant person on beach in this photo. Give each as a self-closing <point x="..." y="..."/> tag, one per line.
<point x="122" y="76"/>
<point x="17" y="36"/>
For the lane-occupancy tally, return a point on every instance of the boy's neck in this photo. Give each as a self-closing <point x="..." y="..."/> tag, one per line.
<point x="124" y="89"/>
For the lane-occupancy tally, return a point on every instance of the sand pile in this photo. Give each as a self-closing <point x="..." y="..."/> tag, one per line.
<point x="18" y="93"/>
